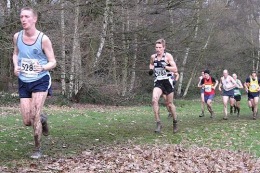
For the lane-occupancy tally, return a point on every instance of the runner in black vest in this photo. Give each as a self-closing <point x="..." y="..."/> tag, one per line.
<point x="160" y="64"/>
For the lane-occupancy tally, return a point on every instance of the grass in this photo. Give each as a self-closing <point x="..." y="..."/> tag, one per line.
<point x="75" y="129"/>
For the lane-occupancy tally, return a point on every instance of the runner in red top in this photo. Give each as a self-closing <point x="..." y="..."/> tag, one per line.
<point x="209" y="84"/>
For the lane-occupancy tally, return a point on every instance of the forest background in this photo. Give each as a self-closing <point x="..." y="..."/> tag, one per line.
<point x="103" y="47"/>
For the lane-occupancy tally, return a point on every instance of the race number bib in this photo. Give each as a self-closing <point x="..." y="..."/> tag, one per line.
<point x="161" y="74"/>
<point x="253" y="87"/>
<point x="27" y="67"/>
<point x="208" y="88"/>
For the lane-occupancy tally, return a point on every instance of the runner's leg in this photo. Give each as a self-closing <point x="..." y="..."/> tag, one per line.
<point x="37" y="103"/>
<point x="169" y="101"/>
<point x="202" y="104"/>
<point x="255" y="107"/>
<point x="225" y="102"/>
<point x="238" y="107"/>
<point x="157" y="92"/>
<point x="25" y="107"/>
<point x="232" y="104"/>
<point x="209" y="106"/>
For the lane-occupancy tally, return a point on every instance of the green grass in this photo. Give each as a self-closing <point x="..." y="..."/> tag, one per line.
<point x="74" y="130"/>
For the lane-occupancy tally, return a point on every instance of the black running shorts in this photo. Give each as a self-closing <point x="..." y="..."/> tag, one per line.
<point x="237" y="97"/>
<point x="165" y="85"/>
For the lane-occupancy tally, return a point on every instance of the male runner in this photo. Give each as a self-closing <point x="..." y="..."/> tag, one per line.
<point x="252" y="88"/>
<point x="161" y="63"/>
<point x="237" y="95"/>
<point x="202" y="102"/>
<point x="209" y="84"/>
<point x="228" y="84"/>
<point x="33" y="57"/>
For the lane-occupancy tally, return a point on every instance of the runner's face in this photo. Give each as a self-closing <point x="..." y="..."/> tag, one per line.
<point x="234" y="76"/>
<point x="159" y="49"/>
<point x="254" y="75"/>
<point x="225" y="73"/>
<point x="27" y="19"/>
<point x="206" y="75"/>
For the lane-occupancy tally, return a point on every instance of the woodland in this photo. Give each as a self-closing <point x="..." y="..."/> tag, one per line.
<point x="103" y="47"/>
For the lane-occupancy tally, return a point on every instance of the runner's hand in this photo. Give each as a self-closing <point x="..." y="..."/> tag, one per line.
<point x="150" y="72"/>
<point x="17" y="70"/>
<point x="37" y="67"/>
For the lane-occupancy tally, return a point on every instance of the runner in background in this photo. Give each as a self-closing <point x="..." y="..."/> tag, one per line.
<point x="202" y="102"/>
<point x="209" y="84"/>
<point x="237" y="95"/>
<point x="227" y="86"/>
<point x="252" y="88"/>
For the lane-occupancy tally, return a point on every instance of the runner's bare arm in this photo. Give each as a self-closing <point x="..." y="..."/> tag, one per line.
<point x="177" y="76"/>
<point x="240" y="84"/>
<point x="199" y="84"/>
<point x="246" y="85"/>
<point x="48" y="50"/>
<point x="151" y="65"/>
<point x="220" y="84"/>
<point x="234" y="82"/>
<point x="15" y="55"/>
<point x="169" y="60"/>
<point x="216" y="84"/>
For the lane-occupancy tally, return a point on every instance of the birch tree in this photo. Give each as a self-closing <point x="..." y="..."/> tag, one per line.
<point x="63" y="54"/>
<point x="125" y="29"/>
<point x="135" y="44"/>
<point x="103" y="32"/>
<point x="75" y="69"/>
<point x="201" y="55"/>
<point x="112" y="45"/>
<point x="187" y="50"/>
<point x="258" y="52"/>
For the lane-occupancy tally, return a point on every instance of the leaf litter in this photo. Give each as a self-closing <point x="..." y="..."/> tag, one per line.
<point x="146" y="159"/>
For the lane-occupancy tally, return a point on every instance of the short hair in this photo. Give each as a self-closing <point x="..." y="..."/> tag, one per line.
<point x="35" y="13"/>
<point x="225" y="71"/>
<point x="161" y="41"/>
<point x="206" y="71"/>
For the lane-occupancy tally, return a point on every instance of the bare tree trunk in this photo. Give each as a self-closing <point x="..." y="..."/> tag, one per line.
<point x="250" y="19"/>
<point x="112" y="44"/>
<point x="125" y="28"/>
<point x="133" y="74"/>
<point x="104" y="32"/>
<point x="77" y="52"/>
<point x="63" y="55"/>
<point x="258" y="52"/>
<point x="182" y="71"/>
<point x="194" y="70"/>
<point x="188" y="49"/>
<point x="76" y="57"/>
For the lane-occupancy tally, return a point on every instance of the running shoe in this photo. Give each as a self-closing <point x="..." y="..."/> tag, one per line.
<point x="158" y="127"/>
<point x="37" y="154"/>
